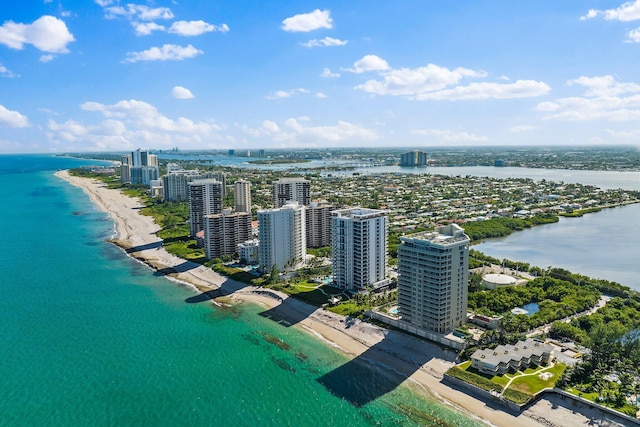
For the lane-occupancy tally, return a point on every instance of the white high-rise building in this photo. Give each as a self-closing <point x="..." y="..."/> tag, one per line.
<point x="282" y="237"/>
<point x="433" y="274"/>
<point x="291" y="189"/>
<point x="205" y="198"/>
<point x="359" y="248"/>
<point x="242" y="196"/>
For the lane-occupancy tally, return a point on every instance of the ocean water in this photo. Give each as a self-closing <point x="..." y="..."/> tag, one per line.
<point x="92" y="337"/>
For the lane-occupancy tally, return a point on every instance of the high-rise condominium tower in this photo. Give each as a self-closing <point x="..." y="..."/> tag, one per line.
<point x="433" y="271"/>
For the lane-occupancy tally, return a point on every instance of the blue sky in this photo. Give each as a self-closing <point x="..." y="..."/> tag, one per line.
<point x="107" y="75"/>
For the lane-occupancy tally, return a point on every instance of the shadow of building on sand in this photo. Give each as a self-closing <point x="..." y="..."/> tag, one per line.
<point x="377" y="372"/>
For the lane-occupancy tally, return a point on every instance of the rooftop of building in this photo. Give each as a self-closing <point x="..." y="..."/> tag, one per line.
<point x="518" y="351"/>
<point x="291" y="179"/>
<point x="445" y="235"/>
<point x="358" y="213"/>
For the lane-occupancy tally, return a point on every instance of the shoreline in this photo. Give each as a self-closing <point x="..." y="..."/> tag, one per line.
<point x="420" y="362"/>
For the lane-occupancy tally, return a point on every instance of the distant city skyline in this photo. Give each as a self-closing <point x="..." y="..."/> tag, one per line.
<point x="108" y="75"/>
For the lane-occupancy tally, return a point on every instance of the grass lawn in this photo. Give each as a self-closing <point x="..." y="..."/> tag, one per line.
<point x="532" y="384"/>
<point x="308" y="292"/>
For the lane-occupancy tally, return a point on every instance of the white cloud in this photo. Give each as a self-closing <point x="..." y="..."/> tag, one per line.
<point x="522" y="128"/>
<point x="195" y="28"/>
<point x="634" y="36"/>
<point x="321" y="95"/>
<point x="104" y="3"/>
<point x="146" y="28"/>
<point x="368" y="63"/>
<point x="325" y="42"/>
<point x="601" y="101"/>
<point x="450" y="136"/>
<point x="629" y="11"/>
<point x="168" y="52"/>
<point x="139" y="11"/>
<point x="46" y="57"/>
<point x="47" y="33"/>
<point x="327" y="73"/>
<point x="287" y="93"/>
<point x="604" y="86"/>
<point x="132" y="123"/>
<point x="292" y="131"/>
<point x="5" y="72"/>
<point x="180" y="92"/>
<point x="487" y="90"/>
<point x="12" y="119"/>
<point x="306" y="22"/>
<point x="433" y="82"/>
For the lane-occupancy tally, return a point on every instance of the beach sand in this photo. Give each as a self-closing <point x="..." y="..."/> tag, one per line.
<point x="420" y="362"/>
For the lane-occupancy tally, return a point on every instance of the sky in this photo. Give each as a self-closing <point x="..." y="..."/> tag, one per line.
<point x="107" y="75"/>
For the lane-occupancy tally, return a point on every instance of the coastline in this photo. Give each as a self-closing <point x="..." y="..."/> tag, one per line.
<point x="421" y="362"/>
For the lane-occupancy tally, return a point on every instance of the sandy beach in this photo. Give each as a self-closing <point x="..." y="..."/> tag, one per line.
<point x="419" y="362"/>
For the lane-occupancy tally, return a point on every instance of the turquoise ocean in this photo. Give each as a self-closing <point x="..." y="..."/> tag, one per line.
<point x="91" y="337"/>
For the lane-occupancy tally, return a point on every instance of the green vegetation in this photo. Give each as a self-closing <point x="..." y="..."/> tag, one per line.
<point x="517" y="396"/>
<point x="532" y="384"/>
<point x="500" y="227"/>
<point x="278" y="161"/>
<point x="556" y="299"/>
<point x="474" y="379"/>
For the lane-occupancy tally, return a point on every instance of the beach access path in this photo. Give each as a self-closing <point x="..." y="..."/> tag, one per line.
<point x="423" y="362"/>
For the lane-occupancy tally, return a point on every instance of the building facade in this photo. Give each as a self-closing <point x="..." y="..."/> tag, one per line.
<point x="318" y="219"/>
<point x="433" y="274"/>
<point x="205" y="198"/>
<point x="223" y="232"/>
<point x="282" y="237"/>
<point x="242" y="196"/>
<point x="413" y="158"/>
<point x="248" y="252"/>
<point x="291" y="189"/>
<point x="359" y="248"/>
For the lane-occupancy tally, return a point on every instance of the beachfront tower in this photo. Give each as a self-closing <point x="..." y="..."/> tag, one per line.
<point x="282" y="237"/>
<point x="242" y="196"/>
<point x="223" y="232"/>
<point x="433" y="274"/>
<point x="291" y="189"/>
<point x="319" y="224"/>
<point x="359" y="248"/>
<point x="205" y="198"/>
<point x="413" y="158"/>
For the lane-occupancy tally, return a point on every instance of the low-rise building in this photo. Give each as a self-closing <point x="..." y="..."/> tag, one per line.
<point x="505" y="358"/>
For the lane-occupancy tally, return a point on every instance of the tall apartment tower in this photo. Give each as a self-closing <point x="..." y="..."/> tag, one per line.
<point x="242" y="196"/>
<point x="359" y="248"/>
<point x="205" y="198"/>
<point x="433" y="274"/>
<point x="282" y="237"/>
<point x="223" y="232"/>
<point x="318" y="218"/>
<point x="291" y="189"/>
<point x="143" y="167"/>
<point x="413" y="158"/>
<point x="125" y="168"/>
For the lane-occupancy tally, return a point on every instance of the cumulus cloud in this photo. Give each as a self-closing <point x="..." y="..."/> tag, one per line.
<point x="433" y="82"/>
<point x="327" y="73"/>
<point x="295" y="131"/>
<point x="321" y="95"/>
<point x="46" y="57"/>
<point x="325" y="42"/>
<point x="195" y="28"/>
<point x="146" y="28"/>
<point x="12" y="119"/>
<point x="47" y="33"/>
<point x="629" y="11"/>
<point x="132" y="123"/>
<point x="368" y="63"/>
<point x="180" y="92"/>
<point x="168" y="52"/>
<point x="138" y="11"/>
<point x="603" y="99"/>
<point x="305" y="22"/>
<point x="449" y="136"/>
<point x="286" y="93"/>
<point x="5" y="72"/>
